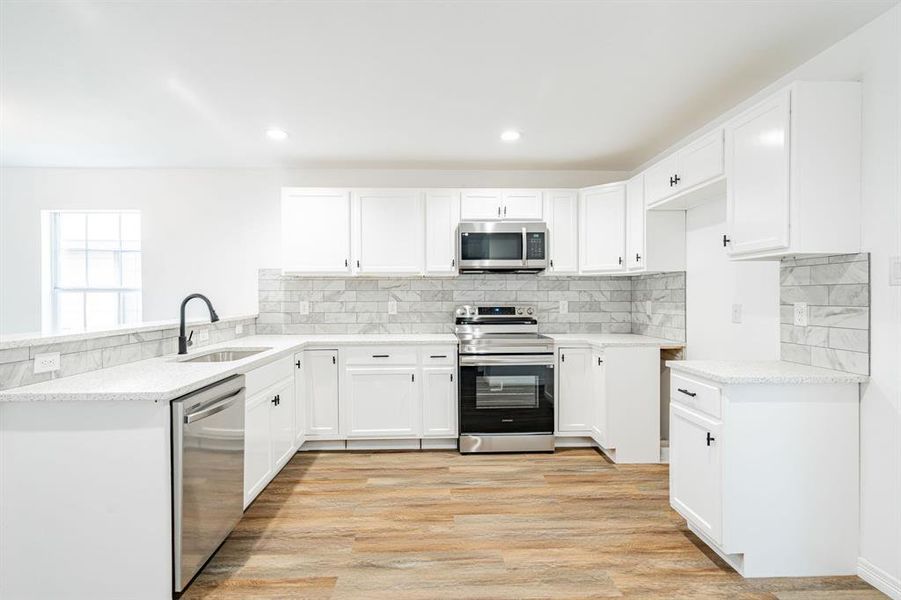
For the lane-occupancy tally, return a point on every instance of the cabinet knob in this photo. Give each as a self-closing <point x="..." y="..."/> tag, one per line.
<point x="599" y="361"/>
<point x="334" y="361"/>
<point x="498" y="211"/>
<point x="358" y="263"/>
<point x="276" y="400"/>
<point x="710" y="438"/>
<point x="552" y="263"/>
<point x="637" y="257"/>
<point x="505" y="210"/>
<point x="672" y="181"/>
<point x="726" y="240"/>
<point x="452" y="376"/>
<point x="297" y="363"/>
<point x="676" y="180"/>
<point x="620" y="260"/>
<point x="346" y="264"/>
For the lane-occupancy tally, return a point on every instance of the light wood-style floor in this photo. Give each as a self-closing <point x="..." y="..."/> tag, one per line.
<point x="430" y="525"/>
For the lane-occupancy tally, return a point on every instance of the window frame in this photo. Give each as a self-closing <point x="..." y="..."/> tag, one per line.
<point x="54" y="289"/>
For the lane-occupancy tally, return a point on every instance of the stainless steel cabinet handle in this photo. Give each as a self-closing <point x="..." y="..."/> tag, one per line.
<point x="218" y="406"/>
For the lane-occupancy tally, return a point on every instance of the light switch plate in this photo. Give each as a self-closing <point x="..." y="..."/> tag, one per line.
<point x="44" y="363"/>
<point x="392" y="306"/>
<point x="894" y="274"/>
<point x="239" y="329"/>
<point x="736" y="313"/>
<point x="564" y="307"/>
<point x="800" y="314"/>
<point x="304" y="307"/>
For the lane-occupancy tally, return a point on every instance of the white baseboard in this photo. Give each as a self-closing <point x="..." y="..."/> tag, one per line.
<point x="879" y="579"/>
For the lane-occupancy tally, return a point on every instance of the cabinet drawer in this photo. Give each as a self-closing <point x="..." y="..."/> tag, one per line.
<point x="262" y="377"/>
<point x="381" y="355"/>
<point x="697" y="395"/>
<point x="434" y="356"/>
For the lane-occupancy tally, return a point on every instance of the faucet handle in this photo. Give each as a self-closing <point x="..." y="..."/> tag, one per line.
<point x="190" y="335"/>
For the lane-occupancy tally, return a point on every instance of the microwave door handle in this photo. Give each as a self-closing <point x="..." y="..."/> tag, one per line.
<point x="525" y="252"/>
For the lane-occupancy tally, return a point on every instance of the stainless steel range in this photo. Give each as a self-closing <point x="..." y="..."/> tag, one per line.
<point x="506" y="380"/>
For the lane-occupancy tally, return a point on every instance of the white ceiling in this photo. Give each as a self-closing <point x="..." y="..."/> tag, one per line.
<point x="591" y="85"/>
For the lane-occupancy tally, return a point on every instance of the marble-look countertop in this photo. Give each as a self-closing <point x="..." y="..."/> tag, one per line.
<point x="766" y="371"/>
<point x="602" y="340"/>
<point x="168" y="377"/>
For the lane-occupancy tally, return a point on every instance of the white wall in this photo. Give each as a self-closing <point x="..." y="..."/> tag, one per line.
<point x="205" y="230"/>
<point x="871" y="55"/>
<point x="714" y="283"/>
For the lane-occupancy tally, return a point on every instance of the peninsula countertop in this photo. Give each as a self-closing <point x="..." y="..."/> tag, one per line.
<point x="761" y="372"/>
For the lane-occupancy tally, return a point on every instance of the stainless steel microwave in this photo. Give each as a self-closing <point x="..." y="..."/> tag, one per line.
<point x="489" y="246"/>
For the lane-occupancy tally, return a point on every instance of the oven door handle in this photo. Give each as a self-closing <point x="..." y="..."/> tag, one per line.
<point x="489" y="360"/>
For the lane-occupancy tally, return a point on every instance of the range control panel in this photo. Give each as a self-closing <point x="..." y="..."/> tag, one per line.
<point x="495" y="311"/>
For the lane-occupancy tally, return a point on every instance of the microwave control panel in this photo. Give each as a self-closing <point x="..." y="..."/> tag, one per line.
<point x="535" y="245"/>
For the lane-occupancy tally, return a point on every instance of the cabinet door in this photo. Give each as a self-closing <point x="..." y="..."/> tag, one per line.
<point x="600" y="422"/>
<point x="635" y="224"/>
<point x="281" y="423"/>
<point x="696" y="469"/>
<point x="439" y="402"/>
<point x="522" y="205"/>
<point x="257" y="450"/>
<point x="562" y="211"/>
<point x="659" y="180"/>
<point x="701" y="161"/>
<point x="442" y="215"/>
<point x="315" y="231"/>
<point x="575" y="408"/>
<point x="381" y="402"/>
<point x="390" y="229"/>
<point x="321" y="392"/>
<point x="478" y="205"/>
<point x="602" y="230"/>
<point x="300" y="407"/>
<point x="757" y="177"/>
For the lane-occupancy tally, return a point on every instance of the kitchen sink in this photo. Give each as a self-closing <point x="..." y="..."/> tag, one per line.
<point x="225" y="355"/>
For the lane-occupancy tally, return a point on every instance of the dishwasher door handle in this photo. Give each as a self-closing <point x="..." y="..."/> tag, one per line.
<point x="218" y="405"/>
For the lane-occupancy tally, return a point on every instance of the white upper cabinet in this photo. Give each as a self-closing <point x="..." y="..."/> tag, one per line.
<point x="562" y="213"/>
<point x="442" y="210"/>
<point x="635" y="226"/>
<point x="793" y="173"/>
<point x="479" y="205"/>
<point x="316" y="231"/>
<point x="522" y="205"/>
<point x="682" y="179"/>
<point x="501" y="204"/>
<point x="389" y="232"/>
<point x="602" y="228"/>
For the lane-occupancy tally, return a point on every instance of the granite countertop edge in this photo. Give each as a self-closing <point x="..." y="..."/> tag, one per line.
<point x="762" y="372"/>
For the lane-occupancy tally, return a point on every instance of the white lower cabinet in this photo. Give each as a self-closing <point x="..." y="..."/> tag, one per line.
<point x="767" y="474"/>
<point x="257" y="450"/>
<point x="439" y="402"/>
<point x="695" y="449"/>
<point x="575" y="406"/>
<point x="321" y="395"/>
<point x="300" y="405"/>
<point x="269" y="425"/>
<point x="599" y="422"/>
<point x="381" y="402"/>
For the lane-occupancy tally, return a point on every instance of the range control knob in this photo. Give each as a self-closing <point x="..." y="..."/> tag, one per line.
<point x="529" y="310"/>
<point x="519" y="310"/>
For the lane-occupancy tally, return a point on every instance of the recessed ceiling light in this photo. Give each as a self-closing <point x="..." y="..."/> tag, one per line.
<point x="511" y="135"/>
<point x="276" y="134"/>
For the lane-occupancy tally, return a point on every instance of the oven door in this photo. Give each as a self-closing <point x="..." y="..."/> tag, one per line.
<point x="507" y="393"/>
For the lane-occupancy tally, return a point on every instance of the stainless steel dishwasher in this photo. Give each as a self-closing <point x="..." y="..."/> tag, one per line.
<point x="207" y="473"/>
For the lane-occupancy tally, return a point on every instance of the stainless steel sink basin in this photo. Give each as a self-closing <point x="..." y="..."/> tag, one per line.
<point x="225" y="355"/>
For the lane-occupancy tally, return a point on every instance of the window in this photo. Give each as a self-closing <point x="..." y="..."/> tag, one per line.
<point x="92" y="269"/>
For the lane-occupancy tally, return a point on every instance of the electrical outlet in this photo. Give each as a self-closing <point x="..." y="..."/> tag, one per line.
<point x="736" y="313"/>
<point x="564" y="307"/>
<point x="894" y="274"/>
<point x="44" y="363"/>
<point x="239" y="329"/>
<point x="800" y="314"/>
<point x="392" y="306"/>
<point x="304" y="307"/>
<point x="202" y="335"/>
